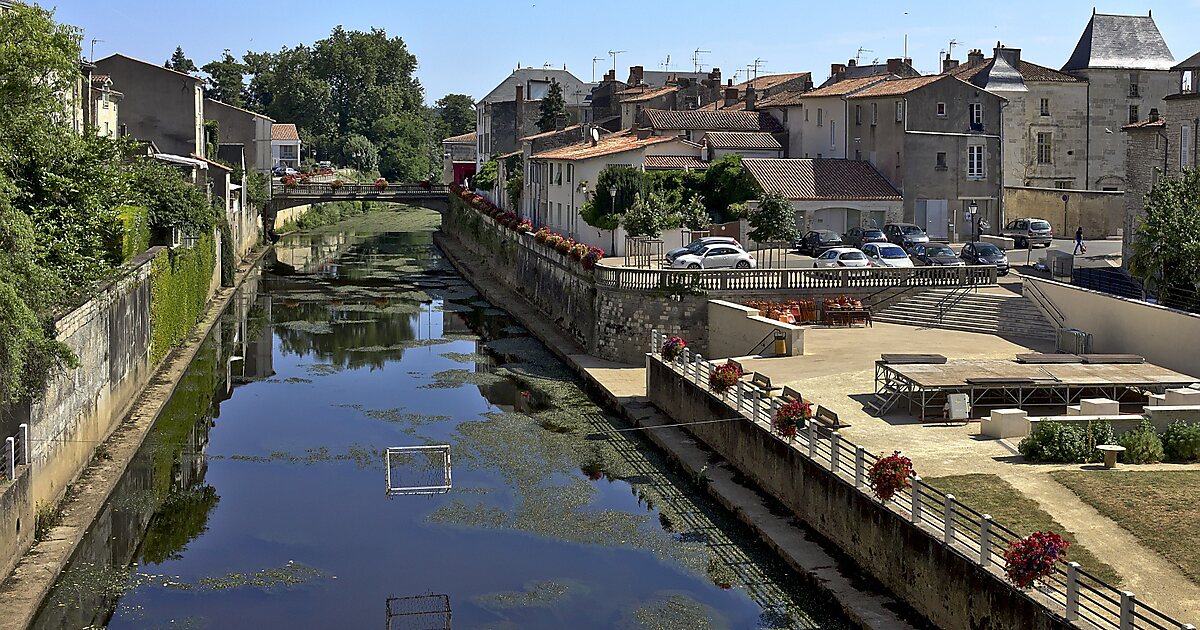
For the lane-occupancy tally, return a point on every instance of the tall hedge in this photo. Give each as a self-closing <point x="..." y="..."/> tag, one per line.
<point x="179" y="281"/>
<point x="135" y="231"/>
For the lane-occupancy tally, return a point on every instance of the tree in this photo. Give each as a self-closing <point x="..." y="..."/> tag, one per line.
<point x="172" y="201"/>
<point x="486" y="178"/>
<point x="774" y="220"/>
<point x="1166" y="243"/>
<point x="179" y="62"/>
<point x="359" y="152"/>
<point x="645" y="218"/>
<point x="693" y="215"/>
<point x="39" y="61"/>
<point x="553" y="106"/>
<point x="727" y="182"/>
<point x="456" y="114"/>
<point x="225" y="80"/>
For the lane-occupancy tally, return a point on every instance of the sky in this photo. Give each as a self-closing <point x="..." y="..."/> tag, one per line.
<point x="470" y="46"/>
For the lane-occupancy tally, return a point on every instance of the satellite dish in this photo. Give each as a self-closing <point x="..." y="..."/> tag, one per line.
<point x="595" y="135"/>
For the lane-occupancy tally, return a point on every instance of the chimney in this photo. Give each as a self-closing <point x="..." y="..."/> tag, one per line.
<point x="751" y="97"/>
<point x="731" y="96"/>
<point x="643" y="132"/>
<point x="894" y="66"/>
<point x="975" y="56"/>
<point x="1011" y="55"/>
<point x="837" y="71"/>
<point x="635" y="75"/>
<point x="1153" y="114"/>
<point x="852" y="63"/>
<point x="715" y="75"/>
<point x="949" y="64"/>
<point x="611" y="75"/>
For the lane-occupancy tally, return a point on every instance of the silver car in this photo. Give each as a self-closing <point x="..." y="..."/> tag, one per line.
<point x="1029" y="231"/>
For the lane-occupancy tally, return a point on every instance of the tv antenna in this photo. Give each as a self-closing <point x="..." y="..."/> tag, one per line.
<point x="594" y="60"/>
<point x="697" y="61"/>
<point x="758" y="61"/>
<point x="667" y="63"/>
<point x="950" y="51"/>
<point x="613" y="54"/>
<point x="858" y="56"/>
<point x="94" y="42"/>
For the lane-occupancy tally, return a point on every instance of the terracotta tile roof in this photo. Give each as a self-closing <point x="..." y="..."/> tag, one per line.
<point x="898" y="87"/>
<point x="547" y="134"/>
<point x="771" y="80"/>
<point x="644" y="93"/>
<point x="1029" y="72"/>
<point x="792" y="98"/>
<point x="1146" y="124"/>
<point x="98" y="80"/>
<point x="284" y="131"/>
<point x="821" y="179"/>
<point x="702" y="120"/>
<point x="615" y="143"/>
<point x="674" y="162"/>
<point x="742" y="140"/>
<point x="465" y="138"/>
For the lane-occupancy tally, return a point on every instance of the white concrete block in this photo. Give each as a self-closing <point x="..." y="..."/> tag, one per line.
<point x="1099" y="407"/>
<point x="1184" y="396"/>
<point x="1074" y="410"/>
<point x="1005" y="423"/>
<point x="1157" y="399"/>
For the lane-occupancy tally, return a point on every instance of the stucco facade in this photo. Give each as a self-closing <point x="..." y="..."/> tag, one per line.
<point x="240" y="126"/>
<point x="160" y="106"/>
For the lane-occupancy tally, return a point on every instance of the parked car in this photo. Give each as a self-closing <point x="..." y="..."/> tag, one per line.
<point x="280" y="171"/>
<point x="857" y="236"/>
<point x="905" y="234"/>
<point x="934" y="255"/>
<point x="817" y="241"/>
<point x="985" y="254"/>
<point x="715" y="256"/>
<point x="699" y="244"/>
<point x="842" y="257"/>
<point x="1029" y="231"/>
<point x="886" y="255"/>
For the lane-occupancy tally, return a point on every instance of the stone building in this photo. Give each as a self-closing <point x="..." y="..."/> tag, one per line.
<point x="852" y="70"/>
<point x="937" y="140"/>
<point x="458" y="158"/>
<point x="692" y="125"/>
<point x="103" y="106"/>
<point x="829" y="194"/>
<point x="160" y="106"/>
<point x="1127" y="66"/>
<point x="250" y="129"/>
<point x="816" y="120"/>
<point x="511" y="110"/>
<point x="1045" y="119"/>
<point x="1163" y="144"/>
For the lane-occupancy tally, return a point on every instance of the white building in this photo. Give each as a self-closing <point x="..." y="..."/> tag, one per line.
<point x="816" y="121"/>
<point x="285" y="145"/>
<point x="830" y="194"/>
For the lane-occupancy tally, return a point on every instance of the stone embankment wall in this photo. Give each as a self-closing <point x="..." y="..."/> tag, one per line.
<point x="947" y="588"/>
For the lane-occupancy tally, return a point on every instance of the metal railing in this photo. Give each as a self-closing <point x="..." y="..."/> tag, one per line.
<point x="1033" y="291"/>
<point x="789" y="279"/>
<point x="14" y="453"/>
<point x="1068" y="591"/>
<point x="324" y="189"/>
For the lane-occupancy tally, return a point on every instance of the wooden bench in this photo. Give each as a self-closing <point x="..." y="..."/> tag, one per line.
<point x="848" y="317"/>
<point x="763" y="383"/>
<point x="828" y="418"/>
<point x="790" y="394"/>
<point x="1038" y="358"/>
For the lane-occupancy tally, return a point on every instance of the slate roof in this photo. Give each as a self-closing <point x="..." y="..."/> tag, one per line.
<point x="465" y="138"/>
<point x="674" y="162"/>
<point x="771" y="80"/>
<point x="704" y="120"/>
<point x="742" y="140"/>
<point x="897" y="87"/>
<point x="1121" y="41"/>
<point x="1029" y="72"/>
<point x="284" y="131"/>
<point x="821" y="179"/>
<point x="608" y="145"/>
<point x="1190" y="63"/>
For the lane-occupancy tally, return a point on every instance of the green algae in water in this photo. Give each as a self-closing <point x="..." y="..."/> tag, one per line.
<point x="452" y="379"/>
<point x="678" y="612"/>
<point x="467" y="357"/>
<point x="403" y="345"/>
<point x="535" y="595"/>
<point x="312" y="328"/>
<point x="321" y="369"/>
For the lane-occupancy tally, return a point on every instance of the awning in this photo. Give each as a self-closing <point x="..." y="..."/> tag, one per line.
<point x="181" y="160"/>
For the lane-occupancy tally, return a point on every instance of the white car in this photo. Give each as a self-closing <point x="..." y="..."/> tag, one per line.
<point x="715" y="256"/>
<point x="886" y="255"/>
<point x="842" y="257"/>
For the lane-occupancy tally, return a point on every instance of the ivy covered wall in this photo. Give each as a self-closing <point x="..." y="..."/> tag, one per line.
<point x="179" y="282"/>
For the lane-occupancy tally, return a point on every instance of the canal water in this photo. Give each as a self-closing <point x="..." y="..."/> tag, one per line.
<point x="260" y="498"/>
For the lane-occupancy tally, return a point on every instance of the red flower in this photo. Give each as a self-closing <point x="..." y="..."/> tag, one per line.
<point x="890" y="475"/>
<point x="724" y="377"/>
<point x="1032" y="558"/>
<point x="790" y="417"/>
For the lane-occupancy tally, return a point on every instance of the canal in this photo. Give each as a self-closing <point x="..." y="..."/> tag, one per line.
<point x="260" y="498"/>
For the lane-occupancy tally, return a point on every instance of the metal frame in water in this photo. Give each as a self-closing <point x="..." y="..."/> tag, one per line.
<point x="430" y="451"/>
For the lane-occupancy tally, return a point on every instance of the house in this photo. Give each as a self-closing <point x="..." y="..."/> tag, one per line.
<point x="751" y="144"/>
<point x="639" y="98"/>
<point x="1127" y="66"/>
<point x="285" y="145"/>
<point x="1045" y="120"/>
<point x="770" y="84"/>
<point x="816" y="120"/>
<point x="511" y="110"/>
<point x="828" y="193"/>
<point x="569" y="174"/>
<point x="681" y="91"/>
<point x="1162" y="145"/>
<point x="937" y="140"/>
<point x="639" y="75"/>
<point x="458" y="158"/>
<point x="103" y="105"/>
<point x="693" y="124"/>
<point x="242" y="126"/>
<point x="160" y="105"/>
<point x="852" y="70"/>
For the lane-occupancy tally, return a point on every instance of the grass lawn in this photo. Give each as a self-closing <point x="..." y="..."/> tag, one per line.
<point x="1160" y="508"/>
<point x="992" y="495"/>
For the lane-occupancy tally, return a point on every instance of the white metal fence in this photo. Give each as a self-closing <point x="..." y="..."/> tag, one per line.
<point x="1080" y="597"/>
<point x="14" y="453"/>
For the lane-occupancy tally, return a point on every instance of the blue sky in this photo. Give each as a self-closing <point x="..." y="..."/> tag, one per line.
<point x="469" y="46"/>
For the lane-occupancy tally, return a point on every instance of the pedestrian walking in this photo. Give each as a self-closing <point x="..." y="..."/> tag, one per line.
<point x="1079" y="246"/>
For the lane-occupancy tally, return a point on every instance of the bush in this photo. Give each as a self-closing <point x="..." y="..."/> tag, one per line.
<point x="486" y="178"/>
<point x="1142" y="445"/>
<point x="1054" y="442"/>
<point x="179" y="281"/>
<point x="134" y="234"/>
<point x="1181" y="442"/>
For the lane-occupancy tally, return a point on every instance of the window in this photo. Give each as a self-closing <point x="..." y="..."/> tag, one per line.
<point x="558" y="177"/>
<point x="1184" y="137"/>
<point x="941" y="110"/>
<point x="857" y="154"/>
<point x="1063" y="184"/>
<point x="858" y="114"/>
<point x="975" y="168"/>
<point x="874" y="114"/>
<point x="570" y="172"/>
<point x="833" y="134"/>
<point x="899" y="111"/>
<point x="976" y="115"/>
<point x="287" y="151"/>
<point x="1134" y="89"/>
<point x="1044" y="148"/>
<point x="941" y="161"/>
<point x="1045" y="107"/>
<point x="820" y="117"/>
<point x="1133" y="114"/>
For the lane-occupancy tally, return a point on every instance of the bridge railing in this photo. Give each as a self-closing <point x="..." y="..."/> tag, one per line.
<point x="788" y="279"/>
<point x="346" y="191"/>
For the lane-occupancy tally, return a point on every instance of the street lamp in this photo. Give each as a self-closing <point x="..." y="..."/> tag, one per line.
<point x="612" y="208"/>
<point x="973" y="210"/>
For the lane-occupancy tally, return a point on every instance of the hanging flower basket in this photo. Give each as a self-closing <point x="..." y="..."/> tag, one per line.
<point x="565" y="245"/>
<point x="1033" y="557"/>
<point x="672" y="348"/>
<point x="289" y="181"/>
<point x="542" y="235"/>
<point x="724" y="377"/>
<point x="578" y="251"/>
<point x="381" y="184"/>
<point x="592" y="258"/>
<point x="890" y="475"/>
<point x="336" y="184"/>
<point x="553" y="240"/>
<point x="790" y="417"/>
<point x="525" y="227"/>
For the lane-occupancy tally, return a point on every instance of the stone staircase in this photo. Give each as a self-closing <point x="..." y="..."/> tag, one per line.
<point x="991" y="311"/>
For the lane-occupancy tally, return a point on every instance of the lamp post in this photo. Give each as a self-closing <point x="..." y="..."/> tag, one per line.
<point x="612" y="208"/>
<point x="973" y="210"/>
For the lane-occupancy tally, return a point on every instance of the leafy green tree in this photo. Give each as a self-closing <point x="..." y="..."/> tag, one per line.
<point x="456" y="113"/>
<point x="359" y="152"/>
<point x="1166" y="243"/>
<point x="553" y="106"/>
<point x="727" y="182"/>
<point x="225" y="79"/>
<point x="38" y="61"/>
<point x="773" y="220"/>
<point x="645" y="218"/>
<point x="171" y="200"/>
<point x="693" y="215"/>
<point x="179" y="62"/>
<point x="486" y="178"/>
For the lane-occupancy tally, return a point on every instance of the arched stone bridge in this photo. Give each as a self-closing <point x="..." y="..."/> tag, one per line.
<point x="432" y="196"/>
